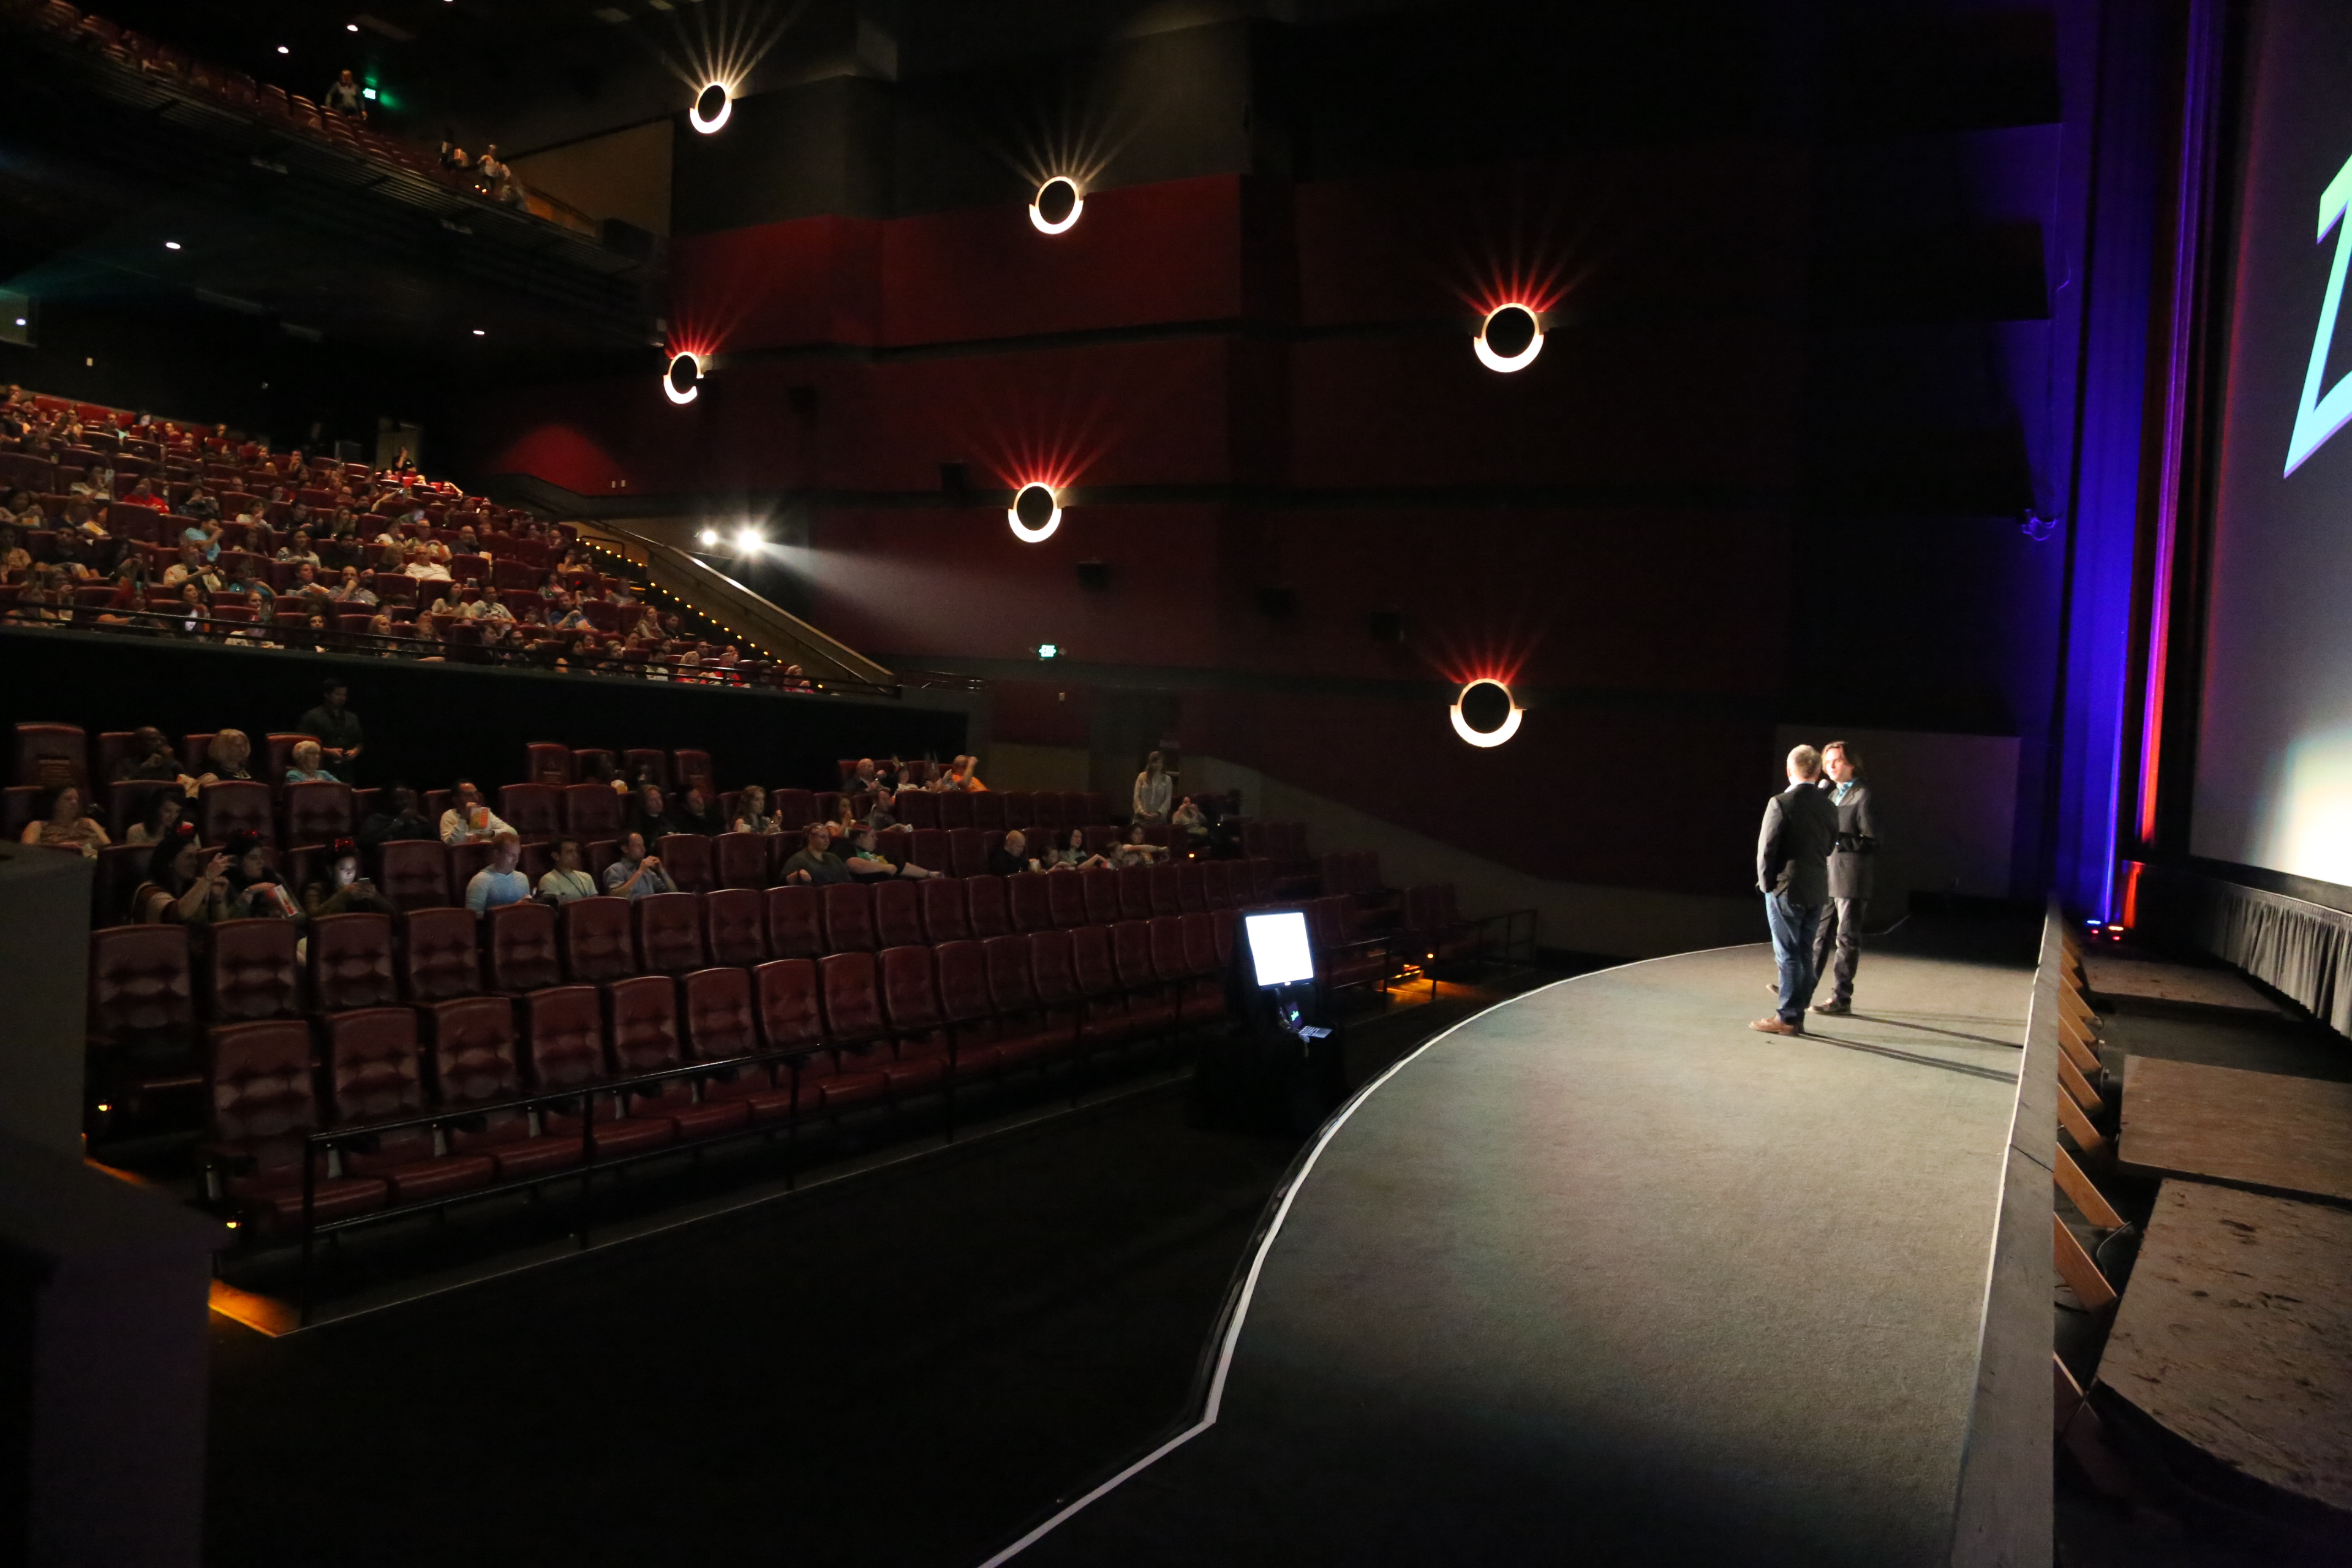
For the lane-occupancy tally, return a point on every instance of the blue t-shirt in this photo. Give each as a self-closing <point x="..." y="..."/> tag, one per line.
<point x="489" y="890"/>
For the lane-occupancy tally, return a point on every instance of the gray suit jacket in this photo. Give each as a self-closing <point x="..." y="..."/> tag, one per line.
<point x="1853" y="862"/>
<point x="1793" y="851"/>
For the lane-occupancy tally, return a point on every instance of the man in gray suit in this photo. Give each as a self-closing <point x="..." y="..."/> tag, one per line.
<point x="1792" y="873"/>
<point x="1852" y="863"/>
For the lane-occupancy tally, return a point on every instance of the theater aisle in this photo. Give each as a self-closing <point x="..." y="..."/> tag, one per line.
<point x="1603" y="1276"/>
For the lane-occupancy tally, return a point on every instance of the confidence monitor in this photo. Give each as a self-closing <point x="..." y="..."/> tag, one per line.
<point x="1280" y="953"/>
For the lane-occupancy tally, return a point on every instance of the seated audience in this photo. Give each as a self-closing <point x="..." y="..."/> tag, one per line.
<point x="751" y="812"/>
<point x="151" y="757"/>
<point x="699" y="812"/>
<point x="845" y="821"/>
<point x="1011" y="856"/>
<point x="636" y="874"/>
<point x="166" y="808"/>
<point x="14" y="559"/>
<point x="963" y="775"/>
<point x="344" y="890"/>
<point x="228" y="753"/>
<point x="1135" y="851"/>
<point x="569" y="878"/>
<point x="867" y="863"/>
<point x="1188" y="817"/>
<point x="299" y="549"/>
<point x="498" y="883"/>
<point x="489" y="607"/>
<point x="255" y="889"/>
<point x="306" y="768"/>
<point x="142" y="495"/>
<point x="469" y="820"/>
<point x="653" y="816"/>
<point x="186" y="883"/>
<point x="60" y="823"/>
<point x="877" y="815"/>
<point x="352" y="590"/>
<point x="815" y="863"/>
<point x="1074" y="856"/>
<point x="396" y="816"/>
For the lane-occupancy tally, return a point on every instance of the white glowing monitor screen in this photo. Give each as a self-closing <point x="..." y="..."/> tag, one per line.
<point x="1278" y="947"/>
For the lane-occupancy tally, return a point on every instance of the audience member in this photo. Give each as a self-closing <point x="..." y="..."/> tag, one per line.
<point x="963" y="775"/>
<point x="1135" y="851"/>
<point x="845" y="821"/>
<point x="352" y="590"/>
<point x="569" y="880"/>
<point x="396" y="816"/>
<point x="1074" y="856"/>
<point x="489" y="607"/>
<point x="306" y="768"/>
<point x="228" y="753"/>
<point x="344" y="890"/>
<point x="636" y="874"/>
<point x="337" y="728"/>
<point x="867" y="863"/>
<point x="1152" y="789"/>
<point x="878" y="816"/>
<point x="469" y="820"/>
<point x="815" y="863"/>
<point x="186" y="884"/>
<point x="343" y="95"/>
<point x="166" y="810"/>
<point x="751" y="811"/>
<point x="498" y="883"/>
<point x="58" y="822"/>
<point x="1011" y="856"/>
<point x="1188" y="818"/>
<point x="151" y="757"/>
<point x="255" y="890"/>
<point x="699" y="812"/>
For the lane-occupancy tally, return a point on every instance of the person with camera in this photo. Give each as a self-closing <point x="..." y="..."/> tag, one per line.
<point x="1852" y="867"/>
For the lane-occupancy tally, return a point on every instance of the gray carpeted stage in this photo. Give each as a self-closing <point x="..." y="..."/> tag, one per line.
<point x="1601" y="1276"/>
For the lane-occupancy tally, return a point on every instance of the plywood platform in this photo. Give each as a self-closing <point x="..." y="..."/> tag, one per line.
<point x="2291" y="1135"/>
<point x="2180" y="984"/>
<point x="2236" y="1335"/>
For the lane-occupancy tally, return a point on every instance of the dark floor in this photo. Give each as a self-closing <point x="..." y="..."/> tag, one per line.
<point x="900" y="1369"/>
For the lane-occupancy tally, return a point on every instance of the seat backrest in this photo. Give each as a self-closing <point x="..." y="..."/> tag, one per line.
<point x="652" y="757"/>
<point x="414" y="873"/>
<point x="1091" y="960"/>
<point x="786" y="992"/>
<point x="251" y="972"/>
<point x="351" y="963"/>
<point x="1191" y="887"/>
<point x="733" y="928"/>
<point x="584" y="758"/>
<point x="928" y="849"/>
<point x="259" y="1081"/>
<point x="946" y="910"/>
<point x="985" y="908"/>
<point x="1101" y="887"/>
<point x="1052" y="967"/>
<point x="520" y="941"/>
<point x="1130" y="952"/>
<point x="740" y="860"/>
<point x="440" y="955"/>
<point x="686" y="857"/>
<point x="853" y="1006"/>
<point x="955" y="810"/>
<point x="1217" y="884"/>
<point x="849" y="918"/>
<point x="52" y="755"/>
<point x="1199" y="943"/>
<point x="716" y="1017"/>
<point x="317" y="812"/>
<point x="1010" y="987"/>
<point x="472" y="1052"/>
<point x="281" y="751"/>
<point x="594" y="937"/>
<point x="1168" y="957"/>
<point x="793" y="807"/>
<point x="1045" y="812"/>
<point x="987" y="811"/>
<point x="795" y="921"/>
<point x="373" y="1068"/>
<point x="918" y="809"/>
<point x="1226" y="923"/>
<point x="534" y="811"/>
<point x="563" y="1034"/>
<point x="691" y="768"/>
<point x="1031" y="903"/>
<point x="641" y="1023"/>
<point x="548" y="763"/>
<point x="963" y="969"/>
<point x="140" y="987"/>
<point x="910" y="993"/>
<point x="1134" y="893"/>
<point x="1077" y="812"/>
<point x="1166" y="885"/>
<point x="233" y="806"/>
<point x="669" y="932"/>
<point x="1065" y="896"/>
<point x="898" y="914"/>
<point x="592" y="811"/>
<point x="1016" y="806"/>
<point x="967" y="852"/>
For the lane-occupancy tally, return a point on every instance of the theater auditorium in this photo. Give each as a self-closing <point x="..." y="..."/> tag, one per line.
<point x="983" y="782"/>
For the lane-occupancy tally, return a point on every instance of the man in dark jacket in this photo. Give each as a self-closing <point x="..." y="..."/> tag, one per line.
<point x="337" y="730"/>
<point x="1792" y="854"/>
<point x="1852" y="862"/>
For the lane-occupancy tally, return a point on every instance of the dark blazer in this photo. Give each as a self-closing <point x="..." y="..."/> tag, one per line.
<point x="1853" y="861"/>
<point x="1793" y="851"/>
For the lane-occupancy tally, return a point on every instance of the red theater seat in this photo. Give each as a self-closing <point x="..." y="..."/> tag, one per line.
<point x="719" y="1021"/>
<point x="1024" y="1030"/>
<point x="849" y="918"/>
<point x="52" y="755"/>
<point x="786" y="992"/>
<point x="595" y="938"/>
<point x="968" y="850"/>
<point x="546" y="764"/>
<point x="916" y="810"/>
<point x="692" y="769"/>
<point x="519" y="941"/>
<point x="250" y="970"/>
<point x="793" y="807"/>
<point x="930" y="850"/>
<point x="414" y="873"/>
<point x="988" y="811"/>
<point x="795" y="921"/>
<point x="474" y="1060"/>
<point x="592" y="811"/>
<point x="898" y="914"/>
<point x="563" y="1048"/>
<point x="985" y="906"/>
<point x="1103" y="1021"/>
<point x="140" y="986"/>
<point x="641" y="1021"/>
<point x="317" y="812"/>
<point x="1135" y="955"/>
<point x="687" y="857"/>
<point x="535" y="811"/>
<point x="351" y="963"/>
<point x="233" y="806"/>
<point x="1134" y="893"/>
<point x="1045" y="815"/>
<point x="945" y="910"/>
<point x="586" y="758"/>
<point x="1165" y="884"/>
<point x="856" y="1026"/>
<point x="966" y="1007"/>
<point x="1191" y="887"/>
<point x="1031" y="903"/>
<point x="740" y="860"/>
<point x="260" y="1083"/>
<point x="1101" y="887"/>
<point x="734" y="927"/>
<point x="1065" y="898"/>
<point x="647" y="759"/>
<point x="1217" y="884"/>
<point x="669" y="932"/>
<point x="374" y="1074"/>
<point x="1201" y="996"/>
<point x="955" y="810"/>
<point x="1015" y="805"/>
<point x="1052" y="971"/>
<point x="910" y="1002"/>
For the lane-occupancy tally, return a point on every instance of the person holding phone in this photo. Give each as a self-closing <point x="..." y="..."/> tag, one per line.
<point x="185" y="885"/>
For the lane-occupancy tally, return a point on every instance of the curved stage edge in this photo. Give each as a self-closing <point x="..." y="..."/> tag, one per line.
<point x="1600" y="1273"/>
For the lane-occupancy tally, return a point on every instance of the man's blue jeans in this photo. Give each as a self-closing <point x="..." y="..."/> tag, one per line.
<point x="1793" y="949"/>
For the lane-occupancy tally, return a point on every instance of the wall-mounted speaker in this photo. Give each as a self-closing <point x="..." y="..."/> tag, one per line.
<point x="1093" y="574"/>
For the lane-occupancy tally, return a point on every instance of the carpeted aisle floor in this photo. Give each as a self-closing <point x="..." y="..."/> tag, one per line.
<point x="1603" y="1276"/>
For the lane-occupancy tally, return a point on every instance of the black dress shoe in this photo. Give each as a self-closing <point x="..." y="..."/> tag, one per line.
<point x="1836" y="1009"/>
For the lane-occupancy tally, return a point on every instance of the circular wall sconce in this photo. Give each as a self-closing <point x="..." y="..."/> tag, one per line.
<point x="682" y="383"/>
<point x="1508" y="339"/>
<point x="712" y="107"/>
<point x="1056" y="206"/>
<point x="1035" y="513"/>
<point x="1484" y="714"/>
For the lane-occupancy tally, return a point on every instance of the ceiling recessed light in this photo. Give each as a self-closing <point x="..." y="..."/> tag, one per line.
<point x="479" y="334"/>
<point x="284" y="50"/>
<point x="350" y="26"/>
<point x="171" y="245"/>
<point x="708" y="536"/>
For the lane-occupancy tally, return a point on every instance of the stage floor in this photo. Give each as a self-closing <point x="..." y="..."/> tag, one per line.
<point x="1601" y="1276"/>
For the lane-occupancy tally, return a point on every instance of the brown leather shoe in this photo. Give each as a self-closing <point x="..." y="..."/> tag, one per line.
<point x="1771" y="1024"/>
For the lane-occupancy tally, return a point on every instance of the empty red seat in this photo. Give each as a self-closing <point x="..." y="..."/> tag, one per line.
<point x="945" y="910"/>
<point x="414" y="873"/>
<point x="1046" y="813"/>
<point x="318" y="813"/>
<point x="49" y="755"/>
<point x="1165" y="883"/>
<point x="546" y="764"/>
<point x="1101" y="887"/>
<point x="1025" y="1028"/>
<point x="440" y="955"/>
<point x="988" y="811"/>
<point x="1103" y="1020"/>
<point x="535" y="811"/>
<point x="966" y="1007"/>
<point x="686" y="857"/>
<point x="226" y="806"/>
<point x="642" y="761"/>
<point x="351" y="963"/>
<point x="849" y="918"/>
<point x="595" y="940"/>
<point x="733" y="928"/>
<point x="793" y="807"/>
<point x="259" y="1085"/>
<point x="968" y="850"/>
<point x="955" y="810"/>
<point x="917" y="809"/>
<point x="1217" y="884"/>
<point x="692" y="768"/>
<point x="718" y="1021"/>
<point x="929" y="849"/>
<point x="910" y="1002"/>
<point x="592" y="811"/>
<point x="740" y="860"/>
<point x="1014" y="806"/>
<point x="471" y="1046"/>
<point x="795" y="917"/>
<point x="897" y="913"/>
<point x="518" y="941"/>
<point x="669" y="932"/>
<point x="563" y="1048"/>
<point x="374" y="1074"/>
<point x="1134" y="893"/>
<point x="1150" y="993"/>
<point x="1065" y="898"/>
<point x="1200" y="996"/>
<point x="1053" y="970"/>
<point x="1191" y="887"/>
<point x="641" y="1025"/>
<point x="854" y="1020"/>
<point x="140" y="986"/>
<point x="786" y="994"/>
<point x="1030" y="902"/>
<point x="250" y="972"/>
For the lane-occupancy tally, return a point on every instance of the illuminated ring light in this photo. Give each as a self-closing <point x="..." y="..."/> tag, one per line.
<point x="1034" y="514"/>
<point x="682" y="383"/>
<point x="1058" y="195"/>
<point x="1508" y="339"/>
<point x="712" y="107"/>
<point x="1491" y="716"/>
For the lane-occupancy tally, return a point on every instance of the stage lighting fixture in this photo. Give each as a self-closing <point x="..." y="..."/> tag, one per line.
<point x="708" y="536"/>
<point x="1056" y="204"/>
<point x="1484" y="714"/>
<point x="1034" y="514"/>
<point x="749" y="541"/>
<point x="682" y="383"/>
<point x="712" y="107"/>
<point x="1508" y="339"/>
